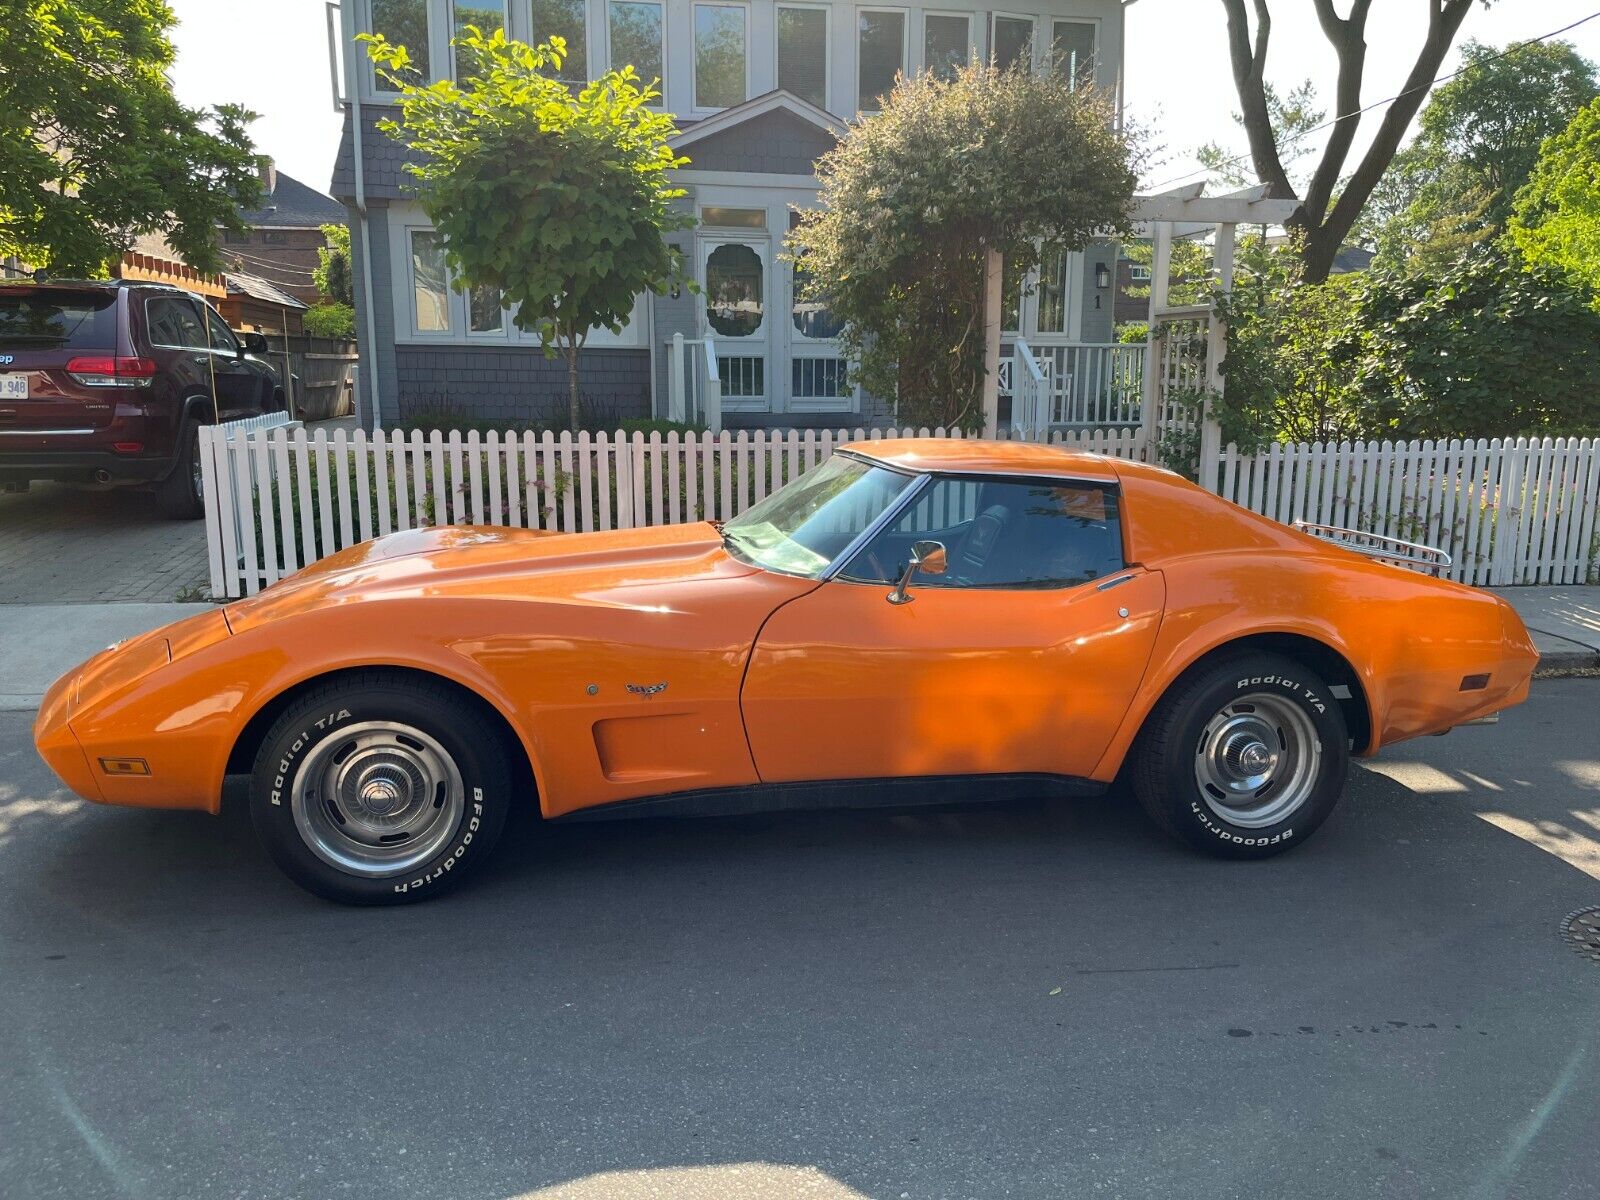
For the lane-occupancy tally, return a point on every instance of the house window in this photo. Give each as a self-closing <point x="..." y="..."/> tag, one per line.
<point x="803" y="53"/>
<point x="484" y="314"/>
<point x="1138" y="273"/>
<point x="1053" y="293"/>
<point x="735" y="306"/>
<point x="946" y="43"/>
<point x="1011" y="42"/>
<point x="274" y="237"/>
<point x="567" y="19"/>
<point x="719" y="55"/>
<point x="636" y="37"/>
<point x="881" y="55"/>
<point x="733" y="218"/>
<point x="430" y="283"/>
<point x="230" y="238"/>
<point x="487" y="15"/>
<point x="405" y="23"/>
<point x="1072" y="51"/>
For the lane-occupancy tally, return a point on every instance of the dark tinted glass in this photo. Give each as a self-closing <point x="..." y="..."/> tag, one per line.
<point x="803" y="53"/>
<point x="58" y="320"/>
<point x="1003" y="534"/>
<point x="174" y="321"/>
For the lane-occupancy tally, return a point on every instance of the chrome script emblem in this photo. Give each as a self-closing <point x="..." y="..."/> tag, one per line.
<point x="647" y="689"/>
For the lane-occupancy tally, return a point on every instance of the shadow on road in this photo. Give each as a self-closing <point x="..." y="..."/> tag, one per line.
<point x="1035" y="999"/>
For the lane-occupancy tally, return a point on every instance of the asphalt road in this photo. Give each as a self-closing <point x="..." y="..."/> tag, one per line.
<point x="827" y="1006"/>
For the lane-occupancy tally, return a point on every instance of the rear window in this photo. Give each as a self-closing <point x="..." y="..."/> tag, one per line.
<point x="36" y="320"/>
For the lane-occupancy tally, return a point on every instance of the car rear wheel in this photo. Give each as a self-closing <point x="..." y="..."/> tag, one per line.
<point x="1245" y="758"/>
<point x="181" y="494"/>
<point x="378" y="789"/>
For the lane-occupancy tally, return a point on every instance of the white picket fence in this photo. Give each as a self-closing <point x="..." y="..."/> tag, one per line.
<point x="278" y="500"/>
<point x="1508" y="511"/>
<point x="1517" y="511"/>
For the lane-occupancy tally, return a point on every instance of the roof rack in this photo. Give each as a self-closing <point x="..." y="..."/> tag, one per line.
<point x="1376" y="545"/>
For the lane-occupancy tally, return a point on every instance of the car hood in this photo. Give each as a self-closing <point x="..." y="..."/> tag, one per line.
<point x="499" y="563"/>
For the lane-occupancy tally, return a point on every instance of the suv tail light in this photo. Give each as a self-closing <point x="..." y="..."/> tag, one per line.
<point x="95" y="370"/>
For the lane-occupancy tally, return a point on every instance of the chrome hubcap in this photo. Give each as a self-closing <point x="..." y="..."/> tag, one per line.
<point x="377" y="799"/>
<point x="1257" y="760"/>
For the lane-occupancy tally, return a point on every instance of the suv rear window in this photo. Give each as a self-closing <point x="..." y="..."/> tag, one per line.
<point x="61" y="320"/>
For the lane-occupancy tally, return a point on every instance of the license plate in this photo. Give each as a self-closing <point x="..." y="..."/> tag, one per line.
<point x="13" y="387"/>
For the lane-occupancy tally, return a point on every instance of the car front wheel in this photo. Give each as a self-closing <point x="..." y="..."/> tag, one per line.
<point x="1244" y="758"/>
<point x="380" y="789"/>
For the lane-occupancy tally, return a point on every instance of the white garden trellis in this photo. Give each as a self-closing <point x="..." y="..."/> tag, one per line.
<point x="1186" y="343"/>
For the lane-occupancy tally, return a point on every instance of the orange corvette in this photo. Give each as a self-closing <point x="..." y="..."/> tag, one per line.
<point x="907" y="620"/>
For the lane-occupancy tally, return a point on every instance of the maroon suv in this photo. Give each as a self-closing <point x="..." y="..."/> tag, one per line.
<point x="109" y="382"/>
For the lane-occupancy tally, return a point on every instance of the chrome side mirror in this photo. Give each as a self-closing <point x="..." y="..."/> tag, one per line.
<point x="928" y="558"/>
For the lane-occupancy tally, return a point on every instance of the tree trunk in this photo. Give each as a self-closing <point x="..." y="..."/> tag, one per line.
<point x="574" y="416"/>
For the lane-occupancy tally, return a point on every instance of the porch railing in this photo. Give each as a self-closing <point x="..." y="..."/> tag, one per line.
<point x="694" y="382"/>
<point x="1031" y="400"/>
<point x="1094" y="385"/>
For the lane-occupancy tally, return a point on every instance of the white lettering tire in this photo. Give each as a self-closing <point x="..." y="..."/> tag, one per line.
<point x="1243" y="758"/>
<point x="380" y="788"/>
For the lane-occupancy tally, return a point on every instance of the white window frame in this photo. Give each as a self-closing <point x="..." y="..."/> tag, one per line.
<point x="921" y="48"/>
<point x="1135" y="275"/>
<point x="905" y="46"/>
<point x="635" y="335"/>
<point x="694" y="52"/>
<point x="827" y="45"/>
<point x="369" y="70"/>
<point x="591" y="37"/>
<point x="450" y="29"/>
<point x="661" y="103"/>
<point x="454" y="316"/>
<point x="1050" y="24"/>
<point x="1033" y="42"/>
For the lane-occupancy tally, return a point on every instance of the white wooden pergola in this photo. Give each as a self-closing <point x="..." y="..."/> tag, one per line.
<point x="1183" y="212"/>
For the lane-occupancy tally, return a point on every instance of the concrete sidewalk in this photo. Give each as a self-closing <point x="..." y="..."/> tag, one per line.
<point x="1565" y="624"/>
<point x="39" y="642"/>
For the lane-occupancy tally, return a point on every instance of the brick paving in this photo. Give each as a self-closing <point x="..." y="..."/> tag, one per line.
<point x="61" y="544"/>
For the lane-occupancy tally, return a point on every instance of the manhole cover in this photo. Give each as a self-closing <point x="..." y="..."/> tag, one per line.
<point x="1582" y="930"/>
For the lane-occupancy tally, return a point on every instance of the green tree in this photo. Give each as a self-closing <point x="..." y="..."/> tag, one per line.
<point x="913" y="197"/>
<point x="1478" y="142"/>
<point x="332" y="272"/>
<point x="1290" y="352"/>
<point x="1484" y="349"/>
<point x="94" y="148"/>
<point x="1556" y="222"/>
<point x="552" y="204"/>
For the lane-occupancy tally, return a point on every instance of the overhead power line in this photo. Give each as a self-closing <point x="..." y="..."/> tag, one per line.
<point x="1509" y="50"/>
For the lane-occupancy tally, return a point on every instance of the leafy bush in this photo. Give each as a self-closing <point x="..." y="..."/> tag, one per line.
<point x="1484" y="348"/>
<point x="331" y="320"/>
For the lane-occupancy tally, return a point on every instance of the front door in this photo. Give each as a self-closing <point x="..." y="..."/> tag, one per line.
<point x="735" y="310"/>
<point x="1022" y="658"/>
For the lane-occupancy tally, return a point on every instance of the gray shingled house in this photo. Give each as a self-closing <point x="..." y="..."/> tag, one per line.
<point x="760" y="89"/>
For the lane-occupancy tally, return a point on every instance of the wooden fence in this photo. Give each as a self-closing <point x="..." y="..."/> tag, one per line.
<point x="1508" y="511"/>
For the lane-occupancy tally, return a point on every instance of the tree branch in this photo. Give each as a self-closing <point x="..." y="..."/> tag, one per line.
<point x="1443" y="22"/>
<point x="1348" y="37"/>
<point x="1249" y="78"/>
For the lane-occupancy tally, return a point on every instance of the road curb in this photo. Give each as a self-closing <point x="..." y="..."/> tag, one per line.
<point x="1567" y="664"/>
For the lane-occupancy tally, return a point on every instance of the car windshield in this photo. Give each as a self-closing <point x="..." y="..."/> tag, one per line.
<point x="803" y="527"/>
